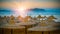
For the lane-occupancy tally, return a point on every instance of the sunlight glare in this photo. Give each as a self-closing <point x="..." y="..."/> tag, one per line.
<point x="21" y="11"/>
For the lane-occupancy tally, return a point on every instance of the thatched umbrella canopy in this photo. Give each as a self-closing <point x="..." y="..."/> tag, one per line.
<point x="51" y="18"/>
<point x="0" y="18"/>
<point x="11" y="21"/>
<point x="12" y="17"/>
<point x="19" y="17"/>
<point x="39" y="16"/>
<point x="27" y="18"/>
<point x="34" y="18"/>
<point x="45" y="17"/>
<point x="4" y="17"/>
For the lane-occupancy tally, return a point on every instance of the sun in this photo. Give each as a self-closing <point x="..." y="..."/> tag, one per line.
<point x="21" y="11"/>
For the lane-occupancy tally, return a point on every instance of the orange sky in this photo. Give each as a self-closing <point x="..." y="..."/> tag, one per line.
<point x="29" y="4"/>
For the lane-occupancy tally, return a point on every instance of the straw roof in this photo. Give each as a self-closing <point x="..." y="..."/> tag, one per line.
<point x="12" y="17"/>
<point x="4" y="17"/>
<point x="27" y="17"/>
<point x="19" y="17"/>
<point x="51" y="17"/>
<point x="39" y="16"/>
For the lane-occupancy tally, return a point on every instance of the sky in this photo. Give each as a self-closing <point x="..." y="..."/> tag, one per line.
<point x="20" y="7"/>
<point x="29" y="3"/>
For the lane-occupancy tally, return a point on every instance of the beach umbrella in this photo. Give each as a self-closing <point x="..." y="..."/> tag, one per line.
<point x="44" y="18"/>
<point x="39" y="18"/>
<point x="19" y="17"/>
<point x="11" y="21"/>
<point x="12" y="17"/>
<point x="43" y="23"/>
<point x="51" y="18"/>
<point x="27" y="18"/>
<point x="4" y="17"/>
